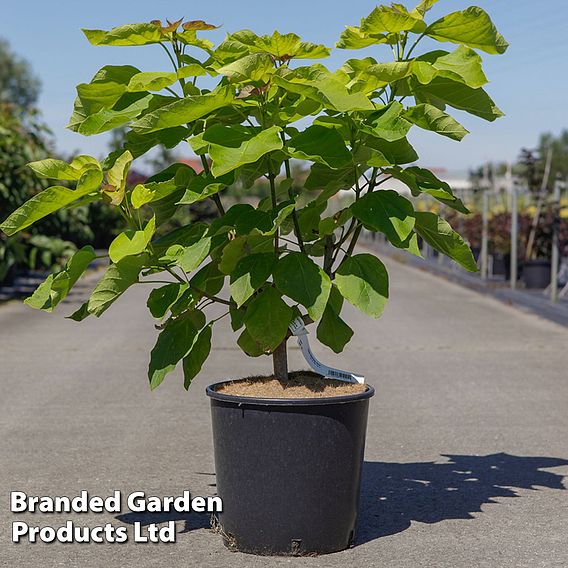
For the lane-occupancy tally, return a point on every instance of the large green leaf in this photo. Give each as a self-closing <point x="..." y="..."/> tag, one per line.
<point x="323" y="87"/>
<point x="57" y="286"/>
<point x="329" y="179"/>
<point x="107" y="119"/>
<point x="299" y="278"/>
<point x="50" y="200"/>
<point x="197" y="355"/>
<point x="117" y="177"/>
<point x="380" y="75"/>
<point x="151" y="81"/>
<point x="243" y="246"/>
<point x="282" y="47"/>
<point x="332" y="330"/>
<point x="397" y="152"/>
<point x="209" y="278"/>
<point x="183" y="111"/>
<point x="431" y="118"/>
<point x="388" y="212"/>
<point x="424" y="6"/>
<point x="471" y="27"/>
<point x="193" y="255"/>
<point x="445" y="91"/>
<point x="166" y="207"/>
<point x="205" y="185"/>
<point x="440" y="235"/>
<point x="163" y="298"/>
<point x="392" y="19"/>
<point x="254" y="67"/>
<point x="58" y="169"/>
<point x="130" y="34"/>
<point x="387" y="123"/>
<point x="353" y="38"/>
<point x="309" y="219"/>
<point x="153" y="191"/>
<point x="267" y="319"/>
<point x="130" y="243"/>
<point x="106" y="88"/>
<point x="420" y="180"/>
<point x="249" y="345"/>
<point x="139" y="144"/>
<point x="173" y="344"/>
<point x="97" y="96"/>
<point x="117" y="279"/>
<point x="189" y="37"/>
<point x="176" y="177"/>
<point x="320" y="144"/>
<point x="232" y="147"/>
<point x="363" y="281"/>
<point x="251" y="273"/>
<point x="463" y="65"/>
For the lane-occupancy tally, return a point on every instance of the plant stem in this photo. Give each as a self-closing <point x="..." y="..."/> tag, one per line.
<point x="219" y="318"/>
<point x="280" y="362"/>
<point x="216" y="198"/>
<point x="409" y="53"/>
<point x="169" y="55"/>
<point x="271" y="177"/>
<point x="175" y="275"/>
<point x="357" y="227"/>
<point x="353" y="241"/>
<point x="328" y="254"/>
<point x="172" y="92"/>
<point x="294" y="214"/>
<point x="211" y="297"/>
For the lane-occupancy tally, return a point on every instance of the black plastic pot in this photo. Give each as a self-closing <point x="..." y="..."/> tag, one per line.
<point x="288" y="471"/>
<point x="537" y="273"/>
<point x="501" y="264"/>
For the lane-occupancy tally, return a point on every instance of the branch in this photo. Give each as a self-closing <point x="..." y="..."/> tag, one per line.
<point x="271" y="177"/>
<point x="216" y="198"/>
<point x="175" y="275"/>
<point x="413" y="46"/>
<point x="211" y="296"/>
<point x="294" y="214"/>
<point x="169" y="55"/>
<point x="355" y="226"/>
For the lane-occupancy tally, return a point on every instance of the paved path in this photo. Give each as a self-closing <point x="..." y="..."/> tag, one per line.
<point x="466" y="449"/>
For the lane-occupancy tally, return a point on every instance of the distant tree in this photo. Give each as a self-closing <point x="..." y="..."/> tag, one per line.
<point x="559" y="147"/>
<point x="19" y="87"/>
<point x="24" y="138"/>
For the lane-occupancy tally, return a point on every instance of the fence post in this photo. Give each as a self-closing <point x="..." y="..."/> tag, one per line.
<point x="555" y="244"/>
<point x="485" y="236"/>
<point x="442" y="213"/>
<point x="514" y="235"/>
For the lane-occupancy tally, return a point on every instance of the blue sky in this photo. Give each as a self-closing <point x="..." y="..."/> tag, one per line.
<point x="529" y="83"/>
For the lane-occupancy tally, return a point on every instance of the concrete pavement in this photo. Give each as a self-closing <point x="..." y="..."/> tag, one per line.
<point x="466" y="451"/>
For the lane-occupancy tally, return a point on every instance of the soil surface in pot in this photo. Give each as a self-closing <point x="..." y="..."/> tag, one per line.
<point x="299" y="385"/>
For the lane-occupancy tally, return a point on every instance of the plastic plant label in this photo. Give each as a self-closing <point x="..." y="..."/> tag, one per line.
<point x="298" y="329"/>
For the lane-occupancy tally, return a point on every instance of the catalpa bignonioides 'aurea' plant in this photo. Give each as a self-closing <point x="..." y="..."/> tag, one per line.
<point x="287" y="256"/>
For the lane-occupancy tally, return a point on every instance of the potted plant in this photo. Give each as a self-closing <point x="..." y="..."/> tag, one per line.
<point x="537" y="266"/>
<point x="500" y="243"/>
<point x="287" y="468"/>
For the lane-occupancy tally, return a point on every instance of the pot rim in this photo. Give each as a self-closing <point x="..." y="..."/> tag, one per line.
<point x="258" y="401"/>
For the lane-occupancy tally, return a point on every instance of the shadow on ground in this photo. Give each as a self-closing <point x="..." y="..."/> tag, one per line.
<point x="395" y="494"/>
<point x="192" y="521"/>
